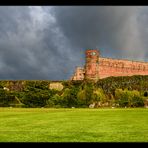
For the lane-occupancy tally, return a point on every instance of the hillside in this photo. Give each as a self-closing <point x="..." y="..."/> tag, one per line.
<point x="108" y="92"/>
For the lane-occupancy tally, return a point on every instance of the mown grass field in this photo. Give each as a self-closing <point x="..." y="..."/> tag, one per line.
<point x="73" y="125"/>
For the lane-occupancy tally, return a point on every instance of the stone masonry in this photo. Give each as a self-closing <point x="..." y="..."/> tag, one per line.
<point x="97" y="67"/>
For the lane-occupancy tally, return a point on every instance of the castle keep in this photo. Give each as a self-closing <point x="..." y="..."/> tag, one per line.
<point x="97" y="67"/>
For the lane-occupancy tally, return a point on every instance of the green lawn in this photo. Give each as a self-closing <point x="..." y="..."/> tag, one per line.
<point x="73" y="125"/>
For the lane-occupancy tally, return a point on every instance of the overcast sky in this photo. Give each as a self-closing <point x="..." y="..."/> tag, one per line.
<point x="48" y="42"/>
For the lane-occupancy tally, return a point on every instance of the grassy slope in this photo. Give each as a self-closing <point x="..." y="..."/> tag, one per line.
<point x="73" y="125"/>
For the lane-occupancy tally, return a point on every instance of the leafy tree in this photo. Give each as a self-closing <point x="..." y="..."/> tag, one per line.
<point x="38" y="99"/>
<point x="6" y="98"/>
<point x="70" y="97"/>
<point x="54" y="101"/>
<point x="121" y="97"/>
<point x="137" y="101"/>
<point x="129" y="98"/>
<point x="81" y="96"/>
<point x="85" y="95"/>
<point x="99" y="95"/>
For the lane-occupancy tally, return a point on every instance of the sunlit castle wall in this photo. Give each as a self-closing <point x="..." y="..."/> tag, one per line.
<point x="97" y="67"/>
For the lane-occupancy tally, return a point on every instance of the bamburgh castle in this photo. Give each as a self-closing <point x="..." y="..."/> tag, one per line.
<point x="97" y="67"/>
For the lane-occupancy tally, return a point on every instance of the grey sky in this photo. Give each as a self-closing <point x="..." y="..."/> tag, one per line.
<point x="48" y="42"/>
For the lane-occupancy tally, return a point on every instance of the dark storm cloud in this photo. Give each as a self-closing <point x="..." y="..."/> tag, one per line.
<point x="48" y="42"/>
<point x="28" y="44"/>
<point x="114" y="29"/>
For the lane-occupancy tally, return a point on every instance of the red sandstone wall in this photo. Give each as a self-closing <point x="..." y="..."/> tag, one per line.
<point x="97" y="67"/>
<point x="113" y="67"/>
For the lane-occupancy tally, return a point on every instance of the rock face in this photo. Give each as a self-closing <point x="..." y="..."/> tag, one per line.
<point x="97" y="67"/>
<point x="56" y="85"/>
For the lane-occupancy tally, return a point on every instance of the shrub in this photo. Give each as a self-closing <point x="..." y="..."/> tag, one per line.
<point x="6" y="98"/>
<point x="128" y="98"/>
<point x="99" y="95"/>
<point x="38" y="99"/>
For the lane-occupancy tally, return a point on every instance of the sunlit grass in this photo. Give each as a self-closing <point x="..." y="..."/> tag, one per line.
<point x="73" y="125"/>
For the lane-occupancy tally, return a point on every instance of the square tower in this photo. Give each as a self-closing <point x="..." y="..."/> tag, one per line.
<point x="92" y="64"/>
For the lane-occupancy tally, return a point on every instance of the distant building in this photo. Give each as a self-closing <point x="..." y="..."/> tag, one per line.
<point x="97" y="67"/>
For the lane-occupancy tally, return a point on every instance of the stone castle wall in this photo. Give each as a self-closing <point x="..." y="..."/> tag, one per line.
<point x="114" y="67"/>
<point x="79" y="74"/>
<point x="97" y="67"/>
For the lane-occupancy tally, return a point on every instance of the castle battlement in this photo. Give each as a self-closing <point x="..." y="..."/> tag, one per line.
<point x="97" y="67"/>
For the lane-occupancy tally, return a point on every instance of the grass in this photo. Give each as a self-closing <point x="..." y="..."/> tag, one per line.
<point x="73" y="125"/>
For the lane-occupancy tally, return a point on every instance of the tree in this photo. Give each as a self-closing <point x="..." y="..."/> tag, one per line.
<point x="85" y="95"/>
<point x="129" y="98"/>
<point x="6" y="98"/>
<point x="121" y="97"/>
<point x="99" y="95"/>
<point x="35" y="99"/>
<point x="70" y="97"/>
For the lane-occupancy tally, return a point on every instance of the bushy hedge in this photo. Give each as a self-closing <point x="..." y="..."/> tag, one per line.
<point x="126" y="98"/>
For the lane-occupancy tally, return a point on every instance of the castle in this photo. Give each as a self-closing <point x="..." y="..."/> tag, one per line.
<point x="97" y="67"/>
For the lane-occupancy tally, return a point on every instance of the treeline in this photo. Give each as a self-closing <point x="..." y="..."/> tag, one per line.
<point x="109" y="92"/>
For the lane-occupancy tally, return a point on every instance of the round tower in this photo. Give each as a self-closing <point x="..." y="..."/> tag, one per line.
<point x="92" y="64"/>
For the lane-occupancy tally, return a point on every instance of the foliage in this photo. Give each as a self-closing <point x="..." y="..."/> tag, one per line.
<point x="38" y="99"/>
<point x="137" y="82"/>
<point x="122" y="91"/>
<point x="128" y="98"/>
<point x="54" y="101"/>
<point x="99" y="95"/>
<point x="6" y="98"/>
